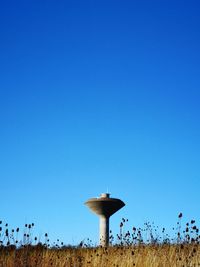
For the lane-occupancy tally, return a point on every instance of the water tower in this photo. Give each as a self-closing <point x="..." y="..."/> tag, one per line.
<point x="104" y="207"/>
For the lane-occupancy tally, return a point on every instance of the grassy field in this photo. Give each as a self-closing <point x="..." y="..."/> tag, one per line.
<point x="128" y="249"/>
<point x="141" y="256"/>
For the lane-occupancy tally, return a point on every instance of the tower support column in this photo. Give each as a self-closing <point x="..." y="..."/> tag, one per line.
<point x="104" y="231"/>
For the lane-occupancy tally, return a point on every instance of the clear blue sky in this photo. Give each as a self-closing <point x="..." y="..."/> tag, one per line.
<point x="97" y="95"/>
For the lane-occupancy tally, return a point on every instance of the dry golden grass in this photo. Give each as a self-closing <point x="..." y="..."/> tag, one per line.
<point x="129" y="249"/>
<point x="124" y="256"/>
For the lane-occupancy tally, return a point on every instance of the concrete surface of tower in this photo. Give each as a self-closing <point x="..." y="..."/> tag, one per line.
<point x="104" y="207"/>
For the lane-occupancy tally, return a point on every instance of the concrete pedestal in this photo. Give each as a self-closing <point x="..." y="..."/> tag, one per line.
<point x="104" y="231"/>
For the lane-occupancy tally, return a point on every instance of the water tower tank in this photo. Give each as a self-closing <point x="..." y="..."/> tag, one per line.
<point x="104" y="207"/>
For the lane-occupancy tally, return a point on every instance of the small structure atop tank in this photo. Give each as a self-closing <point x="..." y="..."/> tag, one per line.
<point x="104" y="207"/>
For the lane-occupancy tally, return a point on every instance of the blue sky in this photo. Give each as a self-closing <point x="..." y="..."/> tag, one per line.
<point x="99" y="95"/>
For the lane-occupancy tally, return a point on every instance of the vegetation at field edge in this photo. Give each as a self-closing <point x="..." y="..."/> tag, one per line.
<point x="141" y="247"/>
